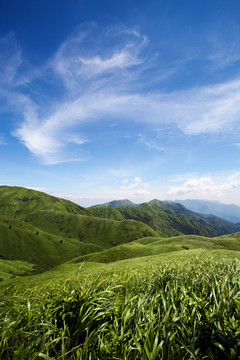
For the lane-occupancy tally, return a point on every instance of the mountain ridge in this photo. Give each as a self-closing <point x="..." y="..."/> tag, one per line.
<point x="205" y="208"/>
<point x="168" y="217"/>
<point x="113" y="203"/>
<point x="229" y="212"/>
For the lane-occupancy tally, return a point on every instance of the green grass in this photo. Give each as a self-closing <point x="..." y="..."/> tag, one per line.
<point x="150" y="246"/>
<point x="164" y="311"/>
<point x="231" y="242"/>
<point x="13" y="268"/>
<point x="85" y="266"/>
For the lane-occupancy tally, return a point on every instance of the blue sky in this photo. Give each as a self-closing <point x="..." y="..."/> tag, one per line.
<point x="103" y="100"/>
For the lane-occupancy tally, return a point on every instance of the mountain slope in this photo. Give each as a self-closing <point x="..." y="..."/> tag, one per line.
<point x="168" y="218"/>
<point x="227" y="245"/>
<point x="16" y="202"/>
<point x="46" y="231"/>
<point x="22" y="241"/>
<point x="225" y="227"/>
<point x="102" y="232"/>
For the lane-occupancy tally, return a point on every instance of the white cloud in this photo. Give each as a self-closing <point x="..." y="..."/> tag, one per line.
<point x="92" y="52"/>
<point x="101" y="71"/>
<point x="137" y="179"/>
<point x="210" y="110"/>
<point x="136" y="189"/>
<point x="226" y="189"/>
<point x="137" y="182"/>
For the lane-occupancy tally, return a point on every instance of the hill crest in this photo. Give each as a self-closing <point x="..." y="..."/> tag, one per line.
<point x="114" y="203"/>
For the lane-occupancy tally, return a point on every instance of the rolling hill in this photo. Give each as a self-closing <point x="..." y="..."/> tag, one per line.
<point x="98" y="283"/>
<point x="16" y="202"/>
<point x="46" y="231"/>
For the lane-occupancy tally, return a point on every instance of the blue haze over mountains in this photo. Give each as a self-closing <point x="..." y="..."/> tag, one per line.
<point x="227" y="212"/>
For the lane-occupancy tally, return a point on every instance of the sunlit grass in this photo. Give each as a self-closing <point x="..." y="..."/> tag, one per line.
<point x="187" y="310"/>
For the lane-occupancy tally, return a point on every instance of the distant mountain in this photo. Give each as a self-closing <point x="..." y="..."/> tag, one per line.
<point x="204" y="207"/>
<point x="168" y="218"/>
<point x="125" y="203"/>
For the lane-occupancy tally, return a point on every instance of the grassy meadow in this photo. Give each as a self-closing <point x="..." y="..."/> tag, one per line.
<point x="157" y="307"/>
<point x="76" y="286"/>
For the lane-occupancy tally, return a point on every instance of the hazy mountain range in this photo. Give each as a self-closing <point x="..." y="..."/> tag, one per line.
<point x="227" y="212"/>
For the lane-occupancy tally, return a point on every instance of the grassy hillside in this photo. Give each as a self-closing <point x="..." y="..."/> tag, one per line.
<point x="22" y="241"/>
<point x="9" y="269"/>
<point x="110" y="286"/>
<point x="143" y="252"/>
<point x="149" y="297"/>
<point x="168" y="218"/>
<point x="102" y="232"/>
<point x="214" y="222"/>
<point x="149" y="246"/>
<point x="16" y="202"/>
<point x="45" y="231"/>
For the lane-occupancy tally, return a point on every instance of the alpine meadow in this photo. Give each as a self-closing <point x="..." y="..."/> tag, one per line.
<point x="120" y="180"/>
<point x="91" y="283"/>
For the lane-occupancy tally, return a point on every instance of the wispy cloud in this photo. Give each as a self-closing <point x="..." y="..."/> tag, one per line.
<point x="100" y="71"/>
<point x="93" y="55"/>
<point x="206" y="110"/>
<point x="10" y="59"/>
<point x="2" y="141"/>
<point x="150" y="143"/>
<point x="223" y="45"/>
